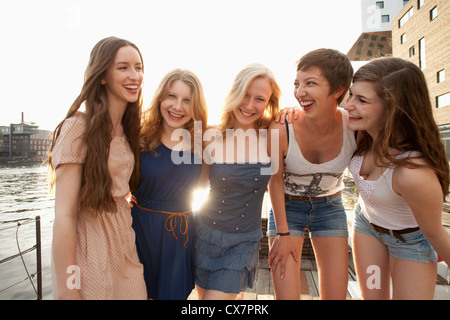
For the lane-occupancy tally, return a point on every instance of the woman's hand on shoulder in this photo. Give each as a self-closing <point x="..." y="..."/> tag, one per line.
<point x="291" y="112"/>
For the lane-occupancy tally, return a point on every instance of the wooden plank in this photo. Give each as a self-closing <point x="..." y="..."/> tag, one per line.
<point x="311" y="281"/>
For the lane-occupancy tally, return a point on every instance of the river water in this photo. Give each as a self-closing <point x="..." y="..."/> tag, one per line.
<point x="24" y="194"/>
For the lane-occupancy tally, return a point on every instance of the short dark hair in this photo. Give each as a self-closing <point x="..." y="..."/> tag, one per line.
<point x="335" y="67"/>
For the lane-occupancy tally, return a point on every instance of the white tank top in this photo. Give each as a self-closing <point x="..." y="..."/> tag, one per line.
<point x="303" y="178"/>
<point x="379" y="203"/>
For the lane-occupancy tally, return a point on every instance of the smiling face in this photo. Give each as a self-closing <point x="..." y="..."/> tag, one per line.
<point x="176" y="106"/>
<point x="366" y="110"/>
<point x="123" y="79"/>
<point x="312" y="91"/>
<point x="253" y="104"/>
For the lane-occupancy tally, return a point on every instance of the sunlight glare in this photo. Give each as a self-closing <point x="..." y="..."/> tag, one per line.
<point x="200" y="196"/>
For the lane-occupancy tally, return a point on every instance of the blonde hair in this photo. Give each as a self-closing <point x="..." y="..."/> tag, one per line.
<point x="237" y="93"/>
<point x="151" y="119"/>
<point x="96" y="181"/>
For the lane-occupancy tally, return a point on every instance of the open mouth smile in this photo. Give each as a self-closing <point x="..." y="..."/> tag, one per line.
<point x="306" y="105"/>
<point x="246" y="114"/>
<point x="354" y="118"/>
<point x="132" y="88"/>
<point x="175" y="116"/>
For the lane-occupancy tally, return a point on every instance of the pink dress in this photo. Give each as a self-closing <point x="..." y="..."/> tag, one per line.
<point x="105" y="248"/>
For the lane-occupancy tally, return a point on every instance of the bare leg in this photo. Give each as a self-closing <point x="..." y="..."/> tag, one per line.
<point x="289" y="288"/>
<point x="412" y="280"/>
<point x="218" y="295"/>
<point x="200" y="292"/>
<point x="372" y="267"/>
<point x="332" y="263"/>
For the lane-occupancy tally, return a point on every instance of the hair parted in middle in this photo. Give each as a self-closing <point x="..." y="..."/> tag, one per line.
<point x="238" y="91"/>
<point x="151" y="118"/>
<point x="96" y="179"/>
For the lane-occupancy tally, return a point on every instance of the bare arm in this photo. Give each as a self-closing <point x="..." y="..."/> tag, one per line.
<point x="421" y="189"/>
<point x="67" y="190"/>
<point x="282" y="246"/>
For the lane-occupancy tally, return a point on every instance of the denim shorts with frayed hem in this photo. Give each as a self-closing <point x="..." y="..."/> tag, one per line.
<point x="324" y="218"/>
<point x="415" y="248"/>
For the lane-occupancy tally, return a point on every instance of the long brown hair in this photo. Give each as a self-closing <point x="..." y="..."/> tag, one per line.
<point x="96" y="180"/>
<point x="151" y="119"/>
<point x="410" y="125"/>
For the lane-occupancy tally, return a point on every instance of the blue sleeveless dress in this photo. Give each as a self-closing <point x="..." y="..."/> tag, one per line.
<point x="165" y="242"/>
<point x="228" y="227"/>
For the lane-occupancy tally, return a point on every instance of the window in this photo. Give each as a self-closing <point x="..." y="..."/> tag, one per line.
<point x="385" y="18"/>
<point x="420" y="3"/>
<point x="406" y="17"/>
<point x="443" y="100"/>
<point x="403" y="38"/>
<point x="412" y="51"/>
<point x="445" y="137"/>
<point x="380" y="4"/>
<point x="422" y="59"/>
<point x="441" y="76"/>
<point x="433" y="13"/>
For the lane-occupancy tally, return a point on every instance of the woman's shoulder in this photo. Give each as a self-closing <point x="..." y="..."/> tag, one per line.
<point x="78" y="121"/>
<point x="70" y="145"/>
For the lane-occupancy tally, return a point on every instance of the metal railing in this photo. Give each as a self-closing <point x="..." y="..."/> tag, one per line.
<point x="20" y="222"/>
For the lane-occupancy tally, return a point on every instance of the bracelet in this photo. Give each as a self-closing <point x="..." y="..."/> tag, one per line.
<point x="282" y="234"/>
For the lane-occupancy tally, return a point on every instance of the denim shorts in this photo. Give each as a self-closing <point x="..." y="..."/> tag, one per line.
<point x="324" y="218"/>
<point x="415" y="248"/>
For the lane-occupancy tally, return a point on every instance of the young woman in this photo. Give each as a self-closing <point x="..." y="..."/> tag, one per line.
<point x="162" y="210"/>
<point x="401" y="171"/>
<point x="228" y="226"/>
<point x="313" y="153"/>
<point x="95" y="157"/>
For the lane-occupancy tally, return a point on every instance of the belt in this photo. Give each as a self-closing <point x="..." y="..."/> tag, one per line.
<point x="302" y="198"/>
<point x="396" y="233"/>
<point x="171" y="220"/>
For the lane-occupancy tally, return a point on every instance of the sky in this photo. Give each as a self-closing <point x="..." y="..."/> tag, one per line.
<point x="46" y="45"/>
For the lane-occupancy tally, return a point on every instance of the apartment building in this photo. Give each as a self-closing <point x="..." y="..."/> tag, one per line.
<point x="421" y="34"/>
<point x="376" y="34"/>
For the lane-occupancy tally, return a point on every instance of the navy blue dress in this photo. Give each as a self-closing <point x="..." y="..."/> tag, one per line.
<point x="228" y="227"/>
<point x="165" y="242"/>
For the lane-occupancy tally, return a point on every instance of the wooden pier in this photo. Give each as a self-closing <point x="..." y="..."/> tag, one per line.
<point x="263" y="289"/>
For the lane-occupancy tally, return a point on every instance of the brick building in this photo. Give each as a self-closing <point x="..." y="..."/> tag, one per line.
<point x="376" y="34"/>
<point x="26" y="143"/>
<point x="421" y="34"/>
